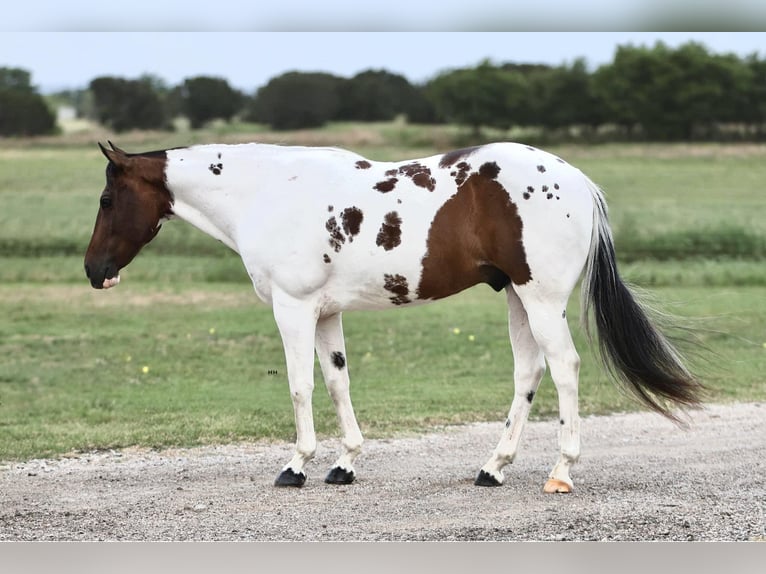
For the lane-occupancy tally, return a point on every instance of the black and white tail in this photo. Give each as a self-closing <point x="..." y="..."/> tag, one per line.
<point x="631" y="347"/>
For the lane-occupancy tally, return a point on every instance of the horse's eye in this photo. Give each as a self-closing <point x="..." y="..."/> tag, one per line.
<point x="106" y="201"/>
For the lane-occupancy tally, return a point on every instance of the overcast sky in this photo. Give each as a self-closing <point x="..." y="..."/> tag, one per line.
<point x="387" y="15"/>
<point x="248" y="60"/>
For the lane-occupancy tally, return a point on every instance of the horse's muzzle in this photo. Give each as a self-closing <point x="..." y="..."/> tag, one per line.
<point x="102" y="276"/>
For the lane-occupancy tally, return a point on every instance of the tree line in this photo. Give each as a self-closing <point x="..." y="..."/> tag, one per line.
<point x="646" y="93"/>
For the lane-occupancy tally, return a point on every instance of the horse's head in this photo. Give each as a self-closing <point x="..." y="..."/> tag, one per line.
<point x="133" y="205"/>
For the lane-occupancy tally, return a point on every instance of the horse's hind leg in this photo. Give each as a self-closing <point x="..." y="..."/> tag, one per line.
<point x="528" y="369"/>
<point x="331" y="350"/>
<point x="547" y="321"/>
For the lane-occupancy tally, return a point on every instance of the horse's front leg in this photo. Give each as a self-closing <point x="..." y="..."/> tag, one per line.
<point x="331" y="350"/>
<point x="296" y="320"/>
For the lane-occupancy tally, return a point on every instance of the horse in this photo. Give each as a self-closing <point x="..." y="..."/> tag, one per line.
<point x="322" y="230"/>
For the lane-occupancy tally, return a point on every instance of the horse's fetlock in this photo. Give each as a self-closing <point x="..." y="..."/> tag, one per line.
<point x="353" y="447"/>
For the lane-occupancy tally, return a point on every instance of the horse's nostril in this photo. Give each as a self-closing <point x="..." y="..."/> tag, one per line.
<point x="87" y="271"/>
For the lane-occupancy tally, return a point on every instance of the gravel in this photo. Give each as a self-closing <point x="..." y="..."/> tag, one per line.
<point x="639" y="478"/>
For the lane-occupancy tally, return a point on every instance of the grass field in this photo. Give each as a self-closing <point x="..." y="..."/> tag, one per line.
<point x="689" y="222"/>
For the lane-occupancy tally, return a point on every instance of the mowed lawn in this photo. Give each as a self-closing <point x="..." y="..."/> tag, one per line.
<point x="182" y="353"/>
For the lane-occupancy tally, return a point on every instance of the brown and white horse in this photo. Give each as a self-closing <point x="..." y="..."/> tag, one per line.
<point x="323" y="230"/>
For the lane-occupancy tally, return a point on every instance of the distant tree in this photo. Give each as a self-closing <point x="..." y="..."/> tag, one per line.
<point x="22" y="110"/>
<point x="563" y="96"/>
<point x="486" y="95"/>
<point x="753" y="112"/>
<point x="205" y="98"/>
<point x="378" y="95"/>
<point x="297" y="100"/>
<point x="128" y="104"/>
<point x="672" y="94"/>
<point x="16" y="79"/>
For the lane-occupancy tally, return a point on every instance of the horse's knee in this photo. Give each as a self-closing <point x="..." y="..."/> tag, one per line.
<point x="532" y="373"/>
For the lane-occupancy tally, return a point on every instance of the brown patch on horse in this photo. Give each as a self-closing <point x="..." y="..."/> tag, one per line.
<point x="390" y="234"/>
<point x="461" y="174"/>
<point x="419" y="174"/>
<point x="216" y="168"/>
<point x="352" y="220"/>
<point x="134" y="201"/>
<point x="475" y="237"/>
<point x="490" y="170"/>
<point x="386" y="185"/>
<point x="337" y="239"/>
<point x="452" y="157"/>
<point x="363" y="164"/>
<point x="397" y="284"/>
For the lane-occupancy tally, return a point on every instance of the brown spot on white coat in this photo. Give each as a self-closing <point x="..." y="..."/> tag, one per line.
<point x="397" y="284"/>
<point x="386" y="185"/>
<point x="390" y="234"/>
<point x="475" y="237"/>
<point x="352" y="221"/>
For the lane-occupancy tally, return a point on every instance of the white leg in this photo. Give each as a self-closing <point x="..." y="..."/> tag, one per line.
<point x="297" y="324"/>
<point x="331" y="351"/>
<point x="549" y="327"/>
<point x="528" y="370"/>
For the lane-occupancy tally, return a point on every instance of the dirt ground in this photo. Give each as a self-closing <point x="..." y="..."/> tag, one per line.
<point x="639" y="478"/>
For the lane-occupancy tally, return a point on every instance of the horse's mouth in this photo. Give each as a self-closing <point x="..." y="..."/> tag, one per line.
<point x="111" y="281"/>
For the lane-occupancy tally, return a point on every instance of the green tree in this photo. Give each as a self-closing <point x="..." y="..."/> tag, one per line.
<point x="22" y="110"/>
<point x="205" y="98"/>
<point x="297" y="100"/>
<point x="16" y="79"/>
<point x="378" y="95"/>
<point x="753" y="112"/>
<point x="563" y="96"/>
<point x="486" y="95"/>
<point x="671" y="94"/>
<point x="123" y="105"/>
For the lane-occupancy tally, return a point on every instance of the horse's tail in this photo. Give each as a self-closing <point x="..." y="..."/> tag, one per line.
<point x="631" y="347"/>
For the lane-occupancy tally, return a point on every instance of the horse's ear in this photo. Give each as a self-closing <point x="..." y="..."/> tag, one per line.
<point x="104" y="151"/>
<point x="115" y="155"/>
<point x="115" y="148"/>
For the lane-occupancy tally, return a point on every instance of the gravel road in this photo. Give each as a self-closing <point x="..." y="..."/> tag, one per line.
<point x="639" y="478"/>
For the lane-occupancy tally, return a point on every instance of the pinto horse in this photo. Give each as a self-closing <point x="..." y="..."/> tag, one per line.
<point x="324" y="230"/>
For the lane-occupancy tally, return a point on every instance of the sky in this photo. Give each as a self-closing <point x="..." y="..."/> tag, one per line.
<point x="60" y="60"/>
<point x="388" y="15"/>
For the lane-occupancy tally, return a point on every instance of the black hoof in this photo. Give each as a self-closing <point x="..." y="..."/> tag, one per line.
<point x="486" y="479"/>
<point x="289" y="478"/>
<point x="338" y="475"/>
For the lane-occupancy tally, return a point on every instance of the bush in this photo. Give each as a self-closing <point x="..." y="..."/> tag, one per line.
<point x="205" y="98"/>
<point x="378" y="95"/>
<point x="24" y="114"/>
<point x="297" y="100"/>
<point x="123" y="105"/>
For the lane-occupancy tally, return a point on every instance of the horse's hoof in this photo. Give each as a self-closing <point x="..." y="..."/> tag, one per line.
<point x="340" y="475"/>
<point x="555" y="486"/>
<point x="486" y="479"/>
<point x="290" y="478"/>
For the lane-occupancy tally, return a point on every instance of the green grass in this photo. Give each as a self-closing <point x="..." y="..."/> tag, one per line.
<point x="689" y="226"/>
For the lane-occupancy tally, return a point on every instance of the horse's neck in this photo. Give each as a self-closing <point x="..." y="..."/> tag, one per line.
<point x="199" y="198"/>
<point x="206" y="222"/>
